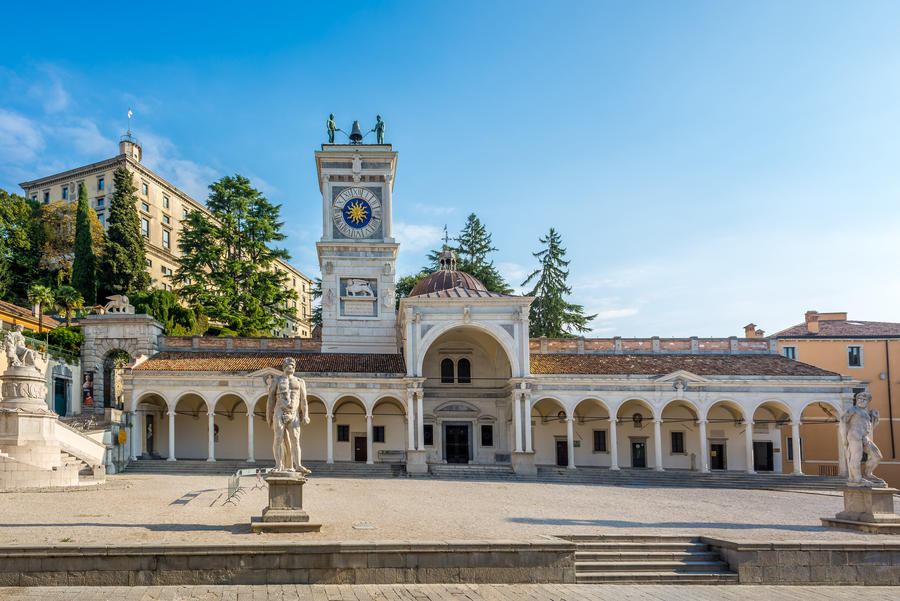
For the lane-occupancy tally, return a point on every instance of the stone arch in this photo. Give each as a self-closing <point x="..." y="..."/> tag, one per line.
<point x="390" y="400"/>
<point x="345" y="399"/>
<point x="773" y="405"/>
<point x="638" y="401"/>
<point x="733" y="407"/>
<point x="138" y="397"/>
<point x="683" y="403"/>
<point x="495" y="331"/>
<point x="591" y="400"/>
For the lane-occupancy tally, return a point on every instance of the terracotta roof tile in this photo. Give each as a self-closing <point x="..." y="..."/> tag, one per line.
<point x="18" y="311"/>
<point x="849" y="328"/>
<point x="445" y="279"/>
<point x="460" y="292"/>
<point x="252" y="361"/>
<point x="657" y="365"/>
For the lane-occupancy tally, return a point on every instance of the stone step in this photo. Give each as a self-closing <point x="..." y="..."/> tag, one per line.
<point x="629" y="538"/>
<point x="650" y="577"/>
<point x="705" y="566"/>
<point x="602" y="556"/>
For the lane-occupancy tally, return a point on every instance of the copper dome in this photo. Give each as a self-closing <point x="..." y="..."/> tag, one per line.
<point x="445" y="279"/>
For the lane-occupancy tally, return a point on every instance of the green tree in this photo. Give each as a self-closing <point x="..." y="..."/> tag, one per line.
<point x="68" y="338"/>
<point x="473" y="248"/>
<point x="176" y="319"/>
<point x="42" y="296"/>
<point x="20" y="242"/>
<point x="123" y="265"/>
<point x="551" y="315"/>
<point x="68" y="298"/>
<point x="84" y="264"/>
<point x="405" y="284"/>
<point x="227" y="265"/>
<point x="316" y="318"/>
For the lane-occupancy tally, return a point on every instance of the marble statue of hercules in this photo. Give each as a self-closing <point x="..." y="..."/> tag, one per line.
<point x="856" y="427"/>
<point x="286" y="410"/>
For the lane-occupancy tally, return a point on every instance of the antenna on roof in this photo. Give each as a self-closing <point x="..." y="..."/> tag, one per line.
<point x="446" y="237"/>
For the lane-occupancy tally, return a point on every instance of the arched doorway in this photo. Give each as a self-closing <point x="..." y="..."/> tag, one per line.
<point x="151" y="411"/>
<point x="192" y="427"/>
<point x="725" y="427"/>
<point x="467" y="372"/>
<point x="592" y="434"/>
<point x="681" y="445"/>
<point x="230" y="428"/>
<point x="637" y="445"/>
<point x="113" y="384"/>
<point x="350" y="440"/>
<point x="765" y="454"/>
<point x="389" y="430"/>
<point x="816" y="452"/>
<point x="549" y="440"/>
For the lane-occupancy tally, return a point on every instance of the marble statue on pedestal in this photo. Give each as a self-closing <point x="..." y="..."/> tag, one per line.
<point x="856" y="427"/>
<point x="18" y="354"/>
<point x="286" y="409"/>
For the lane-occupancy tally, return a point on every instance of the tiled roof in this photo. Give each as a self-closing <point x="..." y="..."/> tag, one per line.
<point x="849" y="328"/>
<point x="252" y="361"/>
<point x="702" y="365"/>
<point x="460" y="292"/>
<point x="18" y="311"/>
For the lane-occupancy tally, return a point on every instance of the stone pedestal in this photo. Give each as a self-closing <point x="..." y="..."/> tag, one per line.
<point x="417" y="462"/>
<point x="867" y="510"/>
<point x="30" y="452"/>
<point x="285" y="511"/>
<point x="523" y="464"/>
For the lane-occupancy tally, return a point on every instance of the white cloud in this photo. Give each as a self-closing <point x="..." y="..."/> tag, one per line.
<point x="161" y="155"/>
<point x="433" y="209"/>
<point x="85" y="138"/>
<point x="617" y="313"/>
<point x="20" y="138"/>
<point x="415" y="237"/>
<point x="51" y="94"/>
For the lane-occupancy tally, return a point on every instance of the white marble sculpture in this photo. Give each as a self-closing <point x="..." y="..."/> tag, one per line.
<point x="118" y="303"/>
<point x="17" y="353"/>
<point x="359" y="288"/>
<point x="286" y="410"/>
<point x="856" y="427"/>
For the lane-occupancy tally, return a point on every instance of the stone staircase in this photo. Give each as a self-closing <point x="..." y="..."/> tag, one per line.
<point x="70" y="460"/>
<point x="687" y="479"/>
<point x="460" y="471"/>
<point x="648" y="560"/>
<point x="338" y="469"/>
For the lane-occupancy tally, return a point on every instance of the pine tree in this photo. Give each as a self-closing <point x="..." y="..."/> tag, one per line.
<point x="123" y="266"/>
<point x="316" y="318"/>
<point x="84" y="265"/>
<point x="551" y="315"/>
<point x="227" y="266"/>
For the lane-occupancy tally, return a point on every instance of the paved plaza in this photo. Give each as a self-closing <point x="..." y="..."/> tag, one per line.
<point x="457" y="592"/>
<point x="190" y="509"/>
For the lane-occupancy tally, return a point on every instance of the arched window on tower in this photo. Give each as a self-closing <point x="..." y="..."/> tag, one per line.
<point x="447" y="371"/>
<point x="464" y="371"/>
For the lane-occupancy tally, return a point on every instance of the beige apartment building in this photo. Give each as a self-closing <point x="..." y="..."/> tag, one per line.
<point x="161" y="207"/>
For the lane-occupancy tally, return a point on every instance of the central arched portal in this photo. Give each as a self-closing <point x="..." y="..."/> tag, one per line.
<point x="466" y="398"/>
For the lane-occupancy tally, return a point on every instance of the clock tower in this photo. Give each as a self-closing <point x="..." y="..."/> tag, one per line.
<point x="357" y="251"/>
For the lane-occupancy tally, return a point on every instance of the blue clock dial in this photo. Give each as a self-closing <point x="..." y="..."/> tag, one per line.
<point x="357" y="213"/>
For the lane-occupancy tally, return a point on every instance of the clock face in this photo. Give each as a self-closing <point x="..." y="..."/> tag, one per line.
<point x="356" y="212"/>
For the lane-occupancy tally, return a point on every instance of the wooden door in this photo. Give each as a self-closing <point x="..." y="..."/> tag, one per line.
<point x="716" y="456"/>
<point x="359" y="448"/>
<point x="562" y="453"/>
<point x="638" y="454"/>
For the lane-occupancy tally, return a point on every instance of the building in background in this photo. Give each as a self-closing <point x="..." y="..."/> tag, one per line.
<point x="869" y="352"/>
<point x="161" y="207"/>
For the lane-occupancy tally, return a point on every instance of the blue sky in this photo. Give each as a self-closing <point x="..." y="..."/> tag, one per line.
<point x="708" y="164"/>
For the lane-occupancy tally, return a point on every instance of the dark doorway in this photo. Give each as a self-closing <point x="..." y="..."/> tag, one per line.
<point x="59" y="396"/>
<point x="717" y="456"/>
<point x="359" y="448"/>
<point x="150" y="433"/>
<point x="763" y="461"/>
<point x="562" y="453"/>
<point x="638" y="453"/>
<point x="456" y="443"/>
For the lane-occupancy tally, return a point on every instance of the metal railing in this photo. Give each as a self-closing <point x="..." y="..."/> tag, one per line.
<point x="234" y="483"/>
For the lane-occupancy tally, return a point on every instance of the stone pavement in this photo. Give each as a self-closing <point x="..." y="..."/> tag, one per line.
<point x="451" y="592"/>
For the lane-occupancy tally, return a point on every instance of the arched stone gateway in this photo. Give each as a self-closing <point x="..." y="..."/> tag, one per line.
<point x="106" y="337"/>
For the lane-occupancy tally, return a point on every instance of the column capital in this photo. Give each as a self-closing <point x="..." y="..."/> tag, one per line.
<point x="657" y="420"/>
<point x="211" y="413"/>
<point x="170" y="412"/>
<point x="796" y="422"/>
<point x="570" y="419"/>
<point x="749" y="422"/>
<point x="702" y="421"/>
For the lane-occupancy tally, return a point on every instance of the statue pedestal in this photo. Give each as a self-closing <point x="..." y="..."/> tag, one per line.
<point x="867" y="510"/>
<point x="523" y="464"/>
<point x="416" y="462"/>
<point x="285" y="511"/>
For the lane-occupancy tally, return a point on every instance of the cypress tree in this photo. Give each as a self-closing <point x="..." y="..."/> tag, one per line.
<point x="84" y="266"/>
<point x="123" y="267"/>
<point x="473" y="245"/>
<point x="551" y="315"/>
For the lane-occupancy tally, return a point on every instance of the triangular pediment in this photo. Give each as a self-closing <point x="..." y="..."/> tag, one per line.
<point x="266" y="371"/>
<point x="683" y="375"/>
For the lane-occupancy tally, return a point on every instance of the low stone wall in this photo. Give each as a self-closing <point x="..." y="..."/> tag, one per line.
<point x="859" y="563"/>
<point x="305" y="563"/>
<point x="17" y="475"/>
